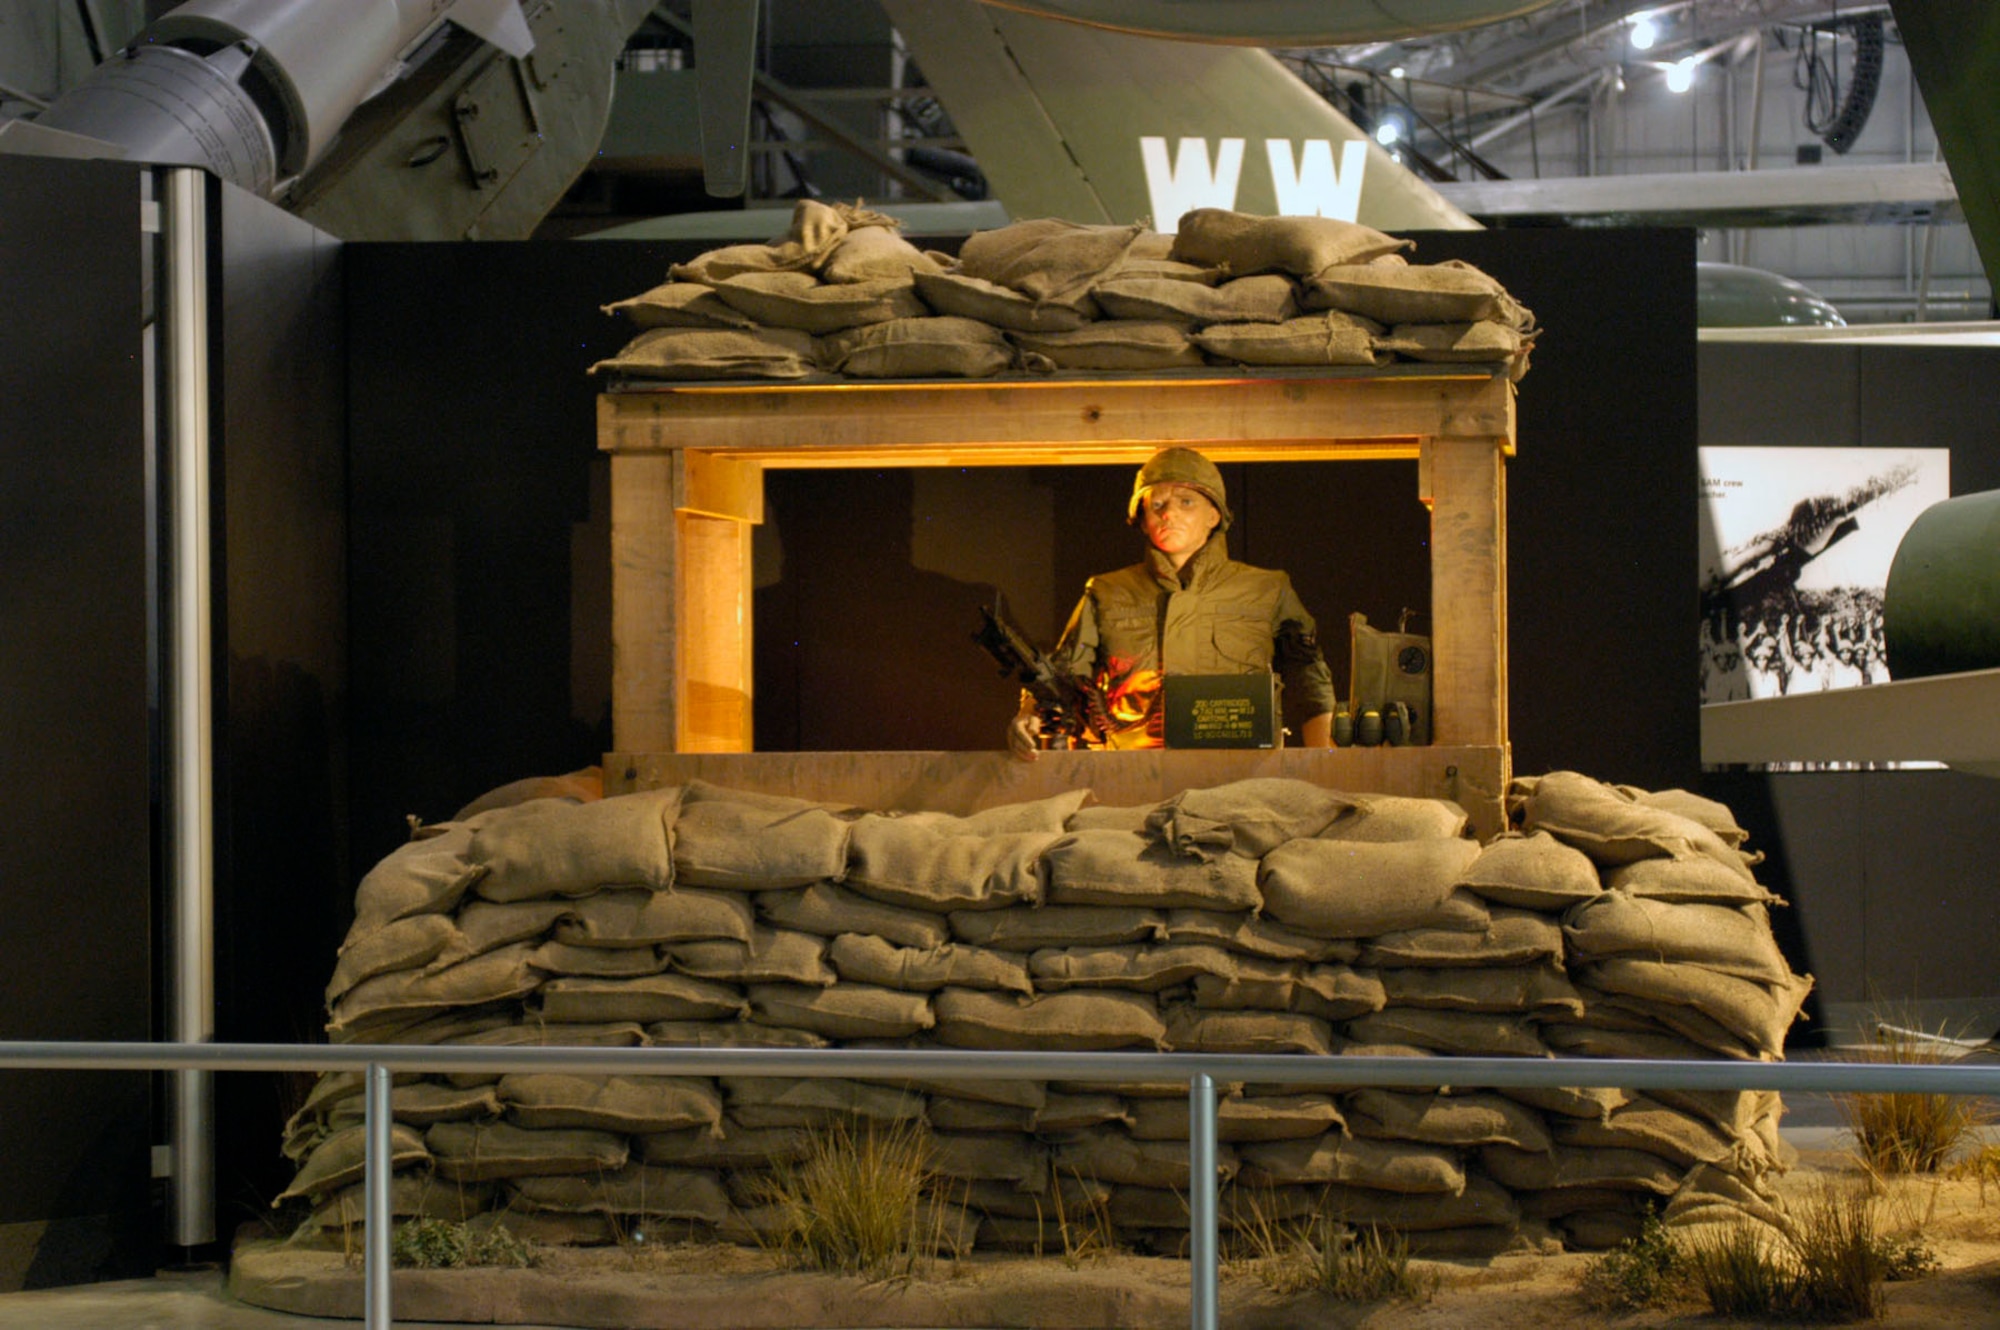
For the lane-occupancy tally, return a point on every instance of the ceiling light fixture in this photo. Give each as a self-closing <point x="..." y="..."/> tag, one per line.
<point x="1644" y="33"/>
<point x="1680" y="75"/>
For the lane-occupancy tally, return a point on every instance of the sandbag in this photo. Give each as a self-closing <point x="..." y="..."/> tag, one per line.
<point x="1394" y="817"/>
<point x="1239" y="1119"/>
<point x="610" y="1103"/>
<point x="771" y="956"/>
<point x="640" y="918"/>
<point x="1074" y="1021"/>
<point x="871" y="960"/>
<point x="1129" y="869"/>
<point x="845" y="1011"/>
<point x="1391" y="294"/>
<point x="1533" y="872"/>
<point x="647" y="998"/>
<point x="1465" y="1033"/>
<point x="1436" y="1118"/>
<point x="829" y="910"/>
<point x="1256" y="936"/>
<point x="1251" y="817"/>
<point x="1734" y="940"/>
<point x="1244" y="243"/>
<point x="958" y="295"/>
<point x="1130" y="295"/>
<point x="1540" y="989"/>
<point x="1192" y="1030"/>
<point x="713" y="353"/>
<point x="755" y="842"/>
<point x="1487" y="341"/>
<point x="1045" y="258"/>
<point x="916" y="348"/>
<point x="1143" y="968"/>
<point x="403" y="945"/>
<point x="764" y="1102"/>
<point x="874" y="253"/>
<point x="564" y="958"/>
<point x="427" y="876"/>
<point x="1358" y="1161"/>
<point x="1512" y="937"/>
<point x="1326" y="338"/>
<point x="481" y="1151"/>
<point x="339" y="1160"/>
<point x="1107" y="1154"/>
<point x="1058" y="926"/>
<point x="1360" y="888"/>
<point x="1110" y="344"/>
<point x="679" y="305"/>
<point x="921" y="867"/>
<point x="1613" y="828"/>
<point x="1691" y="881"/>
<point x="636" y="1189"/>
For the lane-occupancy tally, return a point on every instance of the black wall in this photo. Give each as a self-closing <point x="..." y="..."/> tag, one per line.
<point x="1894" y="904"/>
<point x="76" y="867"/>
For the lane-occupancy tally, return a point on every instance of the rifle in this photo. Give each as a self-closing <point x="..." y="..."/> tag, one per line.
<point x="1067" y="705"/>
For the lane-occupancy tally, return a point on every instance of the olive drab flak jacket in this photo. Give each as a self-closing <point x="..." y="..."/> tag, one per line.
<point x="1134" y="626"/>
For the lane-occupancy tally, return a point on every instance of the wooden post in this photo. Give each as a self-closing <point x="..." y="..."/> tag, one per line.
<point x="1465" y="486"/>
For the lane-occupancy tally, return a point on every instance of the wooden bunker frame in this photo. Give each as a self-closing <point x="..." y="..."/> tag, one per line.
<point x="687" y="466"/>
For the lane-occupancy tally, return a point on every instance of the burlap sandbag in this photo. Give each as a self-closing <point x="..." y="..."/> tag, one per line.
<point x="1733" y="939"/>
<point x="1138" y="265"/>
<point x="1049" y="814"/>
<point x="1435" y="1118"/>
<point x="637" y="918"/>
<point x="1690" y="881"/>
<point x="1252" y="983"/>
<point x="1731" y="1110"/>
<point x="1110" y="817"/>
<point x="1079" y="1112"/>
<point x="1534" y="872"/>
<point x="814" y="231"/>
<point x="1074" y="1021"/>
<point x="1327" y="338"/>
<point x="411" y="1196"/>
<point x="1059" y="926"/>
<point x="1067" y="1195"/>
<point x="713" y="353"/>
<point x="1336" y="993"/>
<point x="1600" y="1230"/>
<point x="1109" y="1154"/>
<point x="1569" y="1101"/>
<point x="1045" y="258"/>
<point x="564" y="958"/>
<point x="486" y="925"/>
<point x="1514" y="937"/>
<point x="424" y="1102"/>
<point x="1564" y="1166"/>
<point x="829" y="910"/>
<point x="1715" y="1195"/>
<point x="637" y="1189"/>
<point x="679" y="305"/>
<point x="940" y="346"/>
<point x="538" y="1034"/>
<point x="1465" y="1033"/>
<point x="1357" y="1161"/>
<point x="1005" y="1159"/>
<point x="477" y="1152"/>
<point x="1243" y="243"/>
<point x="647" y="998"/>
<point x="756" y="842"/>
<point x="1612" y="828"/>
<point x="582" y="786"/>
<point x="1645" y="1124"/>
<point x="1255" y="936"/>
<point x="610" y="1103"/>
<point x="1590" y="1038"/>
<point x="971" y="1115"/>
<point x="728" y="1034"/>
<point x="1537" y="989"/>
<point x="1690" y="1023"/>
<point x="920" y="867"/>
<point x="1250" y="817"/>
<point x="1448" y="292"/>
<point x="1140" y="967"/>
<point x="772" y="956"/>
<point x="1362" y="888"/>
<point x="1193" y="1030"/>
<point x="406" y="944"/>
<point x="1110" y="344"/>
<point x="732" y="1147"/>
<point x="427" y="876"/>
<point x="551" y="847"/>
<point x="1486" y="342"/>
<point x="1264" y="1118"/>
<point x="801" y="301"/>
<point x="871" y="960"/>
<point x="494" y="977"/>
<point x="874" y="253"/>
<point x="1711" y="813"/>
<point x="339" y="1160"/>
<point x="1393" y="817"/>
<point x="960" y="296"/>
<point x="845" y="1011"/>
<point x="764" y="1102"/>
<point x="1128" y="869"/>
<point x="1263" y="299"/>
<point x="1757" y="1013"/>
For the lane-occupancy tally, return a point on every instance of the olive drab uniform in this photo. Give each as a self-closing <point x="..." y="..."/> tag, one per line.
<point x="1217" y="616"/>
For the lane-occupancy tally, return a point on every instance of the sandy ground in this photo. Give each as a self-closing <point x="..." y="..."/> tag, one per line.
<point x="709" y="1288"/>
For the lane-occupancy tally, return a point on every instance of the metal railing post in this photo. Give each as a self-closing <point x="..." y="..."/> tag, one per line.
<point x="375" y="1267"/>
<point x="1204" y="1294"/>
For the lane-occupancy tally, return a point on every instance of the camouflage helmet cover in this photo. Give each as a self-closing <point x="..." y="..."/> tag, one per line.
<point x="1180" y="466"/>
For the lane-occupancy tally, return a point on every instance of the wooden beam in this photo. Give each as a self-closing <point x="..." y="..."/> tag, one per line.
<point x="718" y="485"/>
<point x="1468" y="498"/>
<point x="645" y="540"/>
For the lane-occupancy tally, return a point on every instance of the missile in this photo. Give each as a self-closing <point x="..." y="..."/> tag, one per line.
<point x="257" y="90"/>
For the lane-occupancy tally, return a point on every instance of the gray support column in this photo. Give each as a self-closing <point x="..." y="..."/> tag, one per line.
<point x="375" y="1268"/>
<point x="191" y="722"/>
<point x="1203" y="1294"/>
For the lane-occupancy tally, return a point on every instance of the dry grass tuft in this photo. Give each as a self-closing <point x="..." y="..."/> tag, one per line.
<point x="1908" y="1132"/>
<point x="1322" y="1254"/>
<point x="854" y="1205"/>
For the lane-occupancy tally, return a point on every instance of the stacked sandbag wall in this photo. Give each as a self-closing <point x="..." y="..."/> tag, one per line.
<point x="844" y="296"/>
<point x="1264" y="916"/>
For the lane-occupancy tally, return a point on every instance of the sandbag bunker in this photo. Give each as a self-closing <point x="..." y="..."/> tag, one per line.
<point x="1262" y="916"/>
<point x="843" y="295"/>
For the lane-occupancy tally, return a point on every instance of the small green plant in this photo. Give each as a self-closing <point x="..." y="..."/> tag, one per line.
<point x="443" y="1244"/>
<point x="1741" y="1273"/>
<point x="1322" y="1254"/>
<point x="851" y="1206"/>
<point x="1907" y="1132"/>
<point x="1828" y="1263"/>
<point x="1646" y="1271"/>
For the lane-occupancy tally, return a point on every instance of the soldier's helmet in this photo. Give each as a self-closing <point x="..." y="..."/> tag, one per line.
<point x="1180" y="466"/>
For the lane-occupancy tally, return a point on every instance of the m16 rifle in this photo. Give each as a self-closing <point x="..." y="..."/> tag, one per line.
<point x="1071" y="710"/>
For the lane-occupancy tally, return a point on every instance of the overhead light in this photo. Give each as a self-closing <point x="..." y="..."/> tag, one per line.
<point x="1644" y="33"/>
<point x="1396" y="72"/>
<point x="1680" y="75"/>
<point x="1388" y="132"/>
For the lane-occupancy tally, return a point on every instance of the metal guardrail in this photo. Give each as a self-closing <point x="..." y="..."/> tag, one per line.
<point x="378" y="1062"/>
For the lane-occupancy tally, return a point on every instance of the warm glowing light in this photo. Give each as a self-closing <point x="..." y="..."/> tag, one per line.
<point x="1680" y="75"/>
<point x="1396" y="73"/>
<point x="1644" y="33"/>
<point x="1388" y="132"/>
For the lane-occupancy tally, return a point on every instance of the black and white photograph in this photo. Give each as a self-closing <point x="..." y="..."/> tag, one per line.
<point x="1795" y="547"/>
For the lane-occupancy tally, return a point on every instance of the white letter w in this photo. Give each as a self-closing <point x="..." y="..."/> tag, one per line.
<point x="1188" y="184"/>
<point x="1315" y="189"/>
